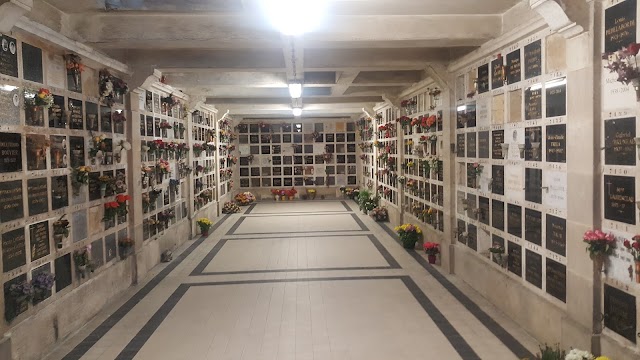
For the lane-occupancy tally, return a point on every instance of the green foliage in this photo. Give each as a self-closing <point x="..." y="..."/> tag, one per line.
<point x="550" y="353"/>
<point x="366" y="201"/>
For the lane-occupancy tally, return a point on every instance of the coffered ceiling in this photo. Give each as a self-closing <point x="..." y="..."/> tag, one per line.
<point x="365" y="51"/>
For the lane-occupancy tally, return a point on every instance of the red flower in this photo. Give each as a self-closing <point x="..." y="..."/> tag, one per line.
<point x="627" y="244"/>
<point x="122" y="198"/>
<point x="636" y="245"/>
<point x="633" y="48"/>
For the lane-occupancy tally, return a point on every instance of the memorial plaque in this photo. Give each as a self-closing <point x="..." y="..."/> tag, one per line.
<point x="619" y="141"/>
<point x="483" y="144"/>
<point x="439" y="121"/>
<point x="497" y="73"/>
<point x="483" y="210"/>
<point x="556" y="235"/>
<point x="36" y="152"/>
<point x="533" y="226"/>
<point x="460" y="145"/>
<point x="472" y="237"/>
<point x="556" y="97"/>
<point x="514" y="263"/>
<point x="462" y="227"/>
<point x="62" y="266"/>
<point x="45" y="268"/>
<point x="97" y="253"/>
<point x="533" y="102"/>
<point x="39" y="240"/>
<point x="557" y="143"/>
<point x="11" y="205"/>
<point x="94" y="186"/>
<point x="620" y="25"/>
<point x="11" y="152"/>
<point x="533" y="144"/>
<point x="105" y="119"/>
<point x="143" y="129"/>
<point x="497" y="109"/>
<point x="33" y="115"/>
<point x="620" y="199"/>
<point x="14" y="252"/>
<point x="461" y="119"/>
<point x="471" y="144"/>
<point x="58" y="152"/>
<point x="38" y="196"/>
<point x="9" y="56"/>
<point x="483" y="78"/>
<point x="533" y="185"/>
<point x="497" y="179"/>
<point x="149" y="125"/>
<point x="149" y="101"/>
<point x="497" y="139"/>
<point x="32" y="63"/>
<point x="515" y="106"/>
<point x="76" y="144"/>
<point x="12" y="306"/>
<point x="533" y="60"/>
<point x="514" y="220"/>
<point x="79" y="225"/>
<point x="471" y="176"/>
<point x="57" y="116"/>
<point x="497" y="240"/>
<point x="76" y="119"/>
<point x="514" y="72"/>
<point x="59" y="192"/>
<point x="620" y="312"/>
<point x="156" y="104"/>
<point x="533" y="268"/>
<point x="92" y="116"/>
<point x="497" y="214"/>
<point x="471" y="115"/>
<point x="10" y="96"/>
<point x="111" y="246"/>
<point x="556" y="280"/>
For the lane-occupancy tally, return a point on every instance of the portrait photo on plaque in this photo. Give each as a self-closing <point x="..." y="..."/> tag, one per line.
<point x="8" y="56"/>
<point x="37" y="146"/>
<point x="58" y="152"/>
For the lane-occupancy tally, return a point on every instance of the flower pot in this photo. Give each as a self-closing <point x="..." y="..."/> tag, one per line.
<point x="59" y="238"/>
<point x="431" y="258"/>
<point x="292" y="198"/>
<point x="276" y="198"/>
<point x="103" y="189"/>
<point x="638" y="271"/>
<point x="205" y="233"/>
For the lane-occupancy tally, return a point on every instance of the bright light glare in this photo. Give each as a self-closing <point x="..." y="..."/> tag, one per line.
<point x="461" y="108"/>
<point x="556" y="83"/>
<point x="295" y="17"/>
<point x="8" y="88"/>
<point x="535" y="87"/>
<point x="297" y="111"/>
<point x="295" y="90"/>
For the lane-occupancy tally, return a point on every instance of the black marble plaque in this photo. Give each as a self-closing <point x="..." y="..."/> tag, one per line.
<point x="33" y="115"/>
<point x="497" y="214"/>
<point x="11" y="152"/>
<point x="111" y="246"/>
<point x="533" y="60"/>
<point x="471" y="176"/>
<point x="39" y="240"/>
<point x="556" y="235"/>
<point x="497" y="240"/>
<point x="471" y="115"/>
<point x="97" y="253"/>
<point x="533" y="103"/>
<point x="12" y="306"/>
<point x="471" y="144"/>
<point x="9" y="56"/>
<point x="514" y="72"/>
<point x="13" y="249"/>
<point x="514" y="264"/>
<point x="472" y="237"/>
<point x="483" y="208"/>
<point x="497" y="138"/>
<point x="105" y="119"/>
<point x="76" y="120"/>
<point x="36" y="152"/>
<point x="619" y="141"/>
<point x="483" y="144"/>
<point x="461" y="119"/>
<point x="497" y="179"/>
<point x="556" y="280"/>
<point x="58" y="152"/>
<point x="118" y="126"/>
<point x="149" y="125"/>
<point x="619" y="199"/>
<point x="514" y="220"/>
<point x="46" y="268"/>
<point x="533" y="268"/>
<point x="533" y="144"/>
<point x="483" y="78"/>
<point x="620" y="312"/>
<point x="556" y="97"/>
<point x="59" y="192"/>
<point x="11" y="206"/>
<point x="32" y="63"/>
<point x="460" y="145"/>
<point x="94" y="186"/>
<point x="497" y="73"/>
<point x="38" y="196"/>
<point x="533" y="185"/>
<point x="557" y="143"/>
<point x="62" y="266"/>
<point x="533" y="226"/>
<point x="620" y="26"/>
<point x="76" y="145"/>
<point x="462" y="227"/>
<point x="92" y="122"/>
<point x="439" y="121"/>
<point x="143" y="129"/>
<point x="57" y="116"/>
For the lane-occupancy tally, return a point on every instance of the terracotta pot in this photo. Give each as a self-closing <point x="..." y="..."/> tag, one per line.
<point x="205" y="233"/>
<point x="431" y="258"/>
<point x="291" y="197"/>
<point x="638" y="271"/>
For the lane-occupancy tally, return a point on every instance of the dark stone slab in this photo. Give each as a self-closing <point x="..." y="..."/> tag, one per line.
<point x="76" y="117"/>
<point x="12" y="306"/>
<point x="471" y="144"/>
<point x="62" y="266"/>
<point x="620" y="199"/>
<point x="497" y="73"/>
<point x="105" y="120"/>
<point x="533" y="226"/>
<point x="471" y="115"/>
<point x="36" y="152"/>
<point x="620" y="25"/>
<point x="533" y="268"/>
<point x="8" y="56"/>
<point x="32" y="63"/>
<point x="94" y="186"/>
<point x="556" y="102"/>
<point x="514" y="263"/>
<point x="59" y="192"/>
<point x="533" y="185"/>
<point x="14" y="252"/>
<point x="484" y="210"/>
<point x="514" y="220"/>
<point x="557" y="143"/>
<point x="57" y="115"/>
<point x="76" y="145"/>
<point x="97" y="253"/>
<point x="38" y="196"/>
<point x="556" y="235"/>
<point x="497" y="139"/>
<point x="460" y="145"/>
<point x="39" y="240"/>
<point x="497" y="182"/>
<point x="11" y="204"/>
<point x="556" y="280"/>
<point x="533" y="59"/>
<point x="483" y="78"/>
<point x="11" y="153"/>
<point x="497" y="214"/>
<point x="513" y="69"/>
<point x="619" y="141"/>
<point x="484" y="145"/>
<point x="620" y="312"/>
<point x="472" y="237"/>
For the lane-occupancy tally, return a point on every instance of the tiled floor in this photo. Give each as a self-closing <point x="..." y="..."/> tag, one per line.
<point x="300" y="280"/>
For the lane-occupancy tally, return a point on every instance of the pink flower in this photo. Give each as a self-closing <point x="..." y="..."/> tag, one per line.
<point x="600" y="234"/>
<point x="610" y="237"/>
<point x="627" y="244"/>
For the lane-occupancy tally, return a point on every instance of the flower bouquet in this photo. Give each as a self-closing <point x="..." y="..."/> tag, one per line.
<point x="60" y="230"/>
<point x="122" y="202"/>
<point x="276" y="194"/>
<point x="205" y="225"/>
<point x="82" y="260"/>
<point x="74" y="67"/>
<point x="198" y="149"/>
<point x="409" y="235"/>
<point x="80" y="177"/>
<point x="633" y="247"/>
<point x="110" y="211"/>
<point x="230" y="208"/>
<point x="497" y="251"/>
<point x="599" y="245"/>
<point x="104" y="180"/>
<point x="291" y="193"/>
<point x="38" y="98"/>
<point x="311" y="193"/>
<point x="245" y="198"/>
<point x="125" y="245"/>
<point x="624" y="64"/>
<point x="432" y="249"/>
<point x="379" y="214"/>
<point x="576" y="354"/>
<point x="42" y="283"/>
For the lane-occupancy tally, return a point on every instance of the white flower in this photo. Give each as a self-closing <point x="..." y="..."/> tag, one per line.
<point x="576" y="354"/>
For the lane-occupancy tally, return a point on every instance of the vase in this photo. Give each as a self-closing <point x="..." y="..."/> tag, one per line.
<point x="103" y="189"/>
<point x="276" y="197"/>
<point x="431" y="259"/>
<point x="638" y="271"/>
<point x="164" y="133"/>
<point x="59" y="238"/>
<point x="205" y="233"/>
<point x="291" y="198"/>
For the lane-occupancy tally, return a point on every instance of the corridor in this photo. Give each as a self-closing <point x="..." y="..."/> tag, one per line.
<point x="312" y="280"/>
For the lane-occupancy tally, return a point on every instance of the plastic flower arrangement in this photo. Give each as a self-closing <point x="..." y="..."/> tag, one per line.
<point x="576" y="354"/>
<point x="204" y="224"/>
<point x="633" y="247"/>
<point x="163" y="166"/>
<point x="230" y="208"/>
<point x="126" y="242"/>
<point x="624" y="64"/>
<point x="81" y="174"/>
<point x="496" y="249"/>
<point x="21" y="291"/>
<point x="122" y="204"/>
<point x="110" y="210"/>
<point x="40" y="98"/>
<point x="409" y="235"/>
<point x="245" y="198"/>
<point x="423" y="139"/>
<point x="379" y="213"/>
<point x="430" y="121"/>
<point x="431" y="248"/>
<point x="477" y="169"/>
<point x="599" y="243"/>
<point x="42" y="282"/>
<point x="165" y="125"/>
<point x="198" y="149"/>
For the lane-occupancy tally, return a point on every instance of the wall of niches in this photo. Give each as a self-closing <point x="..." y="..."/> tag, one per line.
<point x="310" y="153"/>
<point x="619" y="181"/>
<point x="39" y="149"/>
<point x="511" y="175"/>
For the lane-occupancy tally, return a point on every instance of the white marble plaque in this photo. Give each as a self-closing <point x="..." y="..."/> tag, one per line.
<point x="341" y="180"/>
<point x="482" y="112"/>
<point x="514" y="182"/>
<point x="287" y="150"/>
<point x="514" y="137"/>
<point x="141" y="100"/>
<point x="556" y="196"/>
<point x="320" y="170"/>
<point x="484" y="241"/>
<point x="497" y="109"/>
<point x="515" y="106"/>
<point x="56" y="71"/>
<point x="330" y="127"/>
<point x="318" y="148"/>
<point x="618" y="263"/>
<point x="616" y="94"/>
<point x="262" y="160"/>
<point x="556" y="53"/>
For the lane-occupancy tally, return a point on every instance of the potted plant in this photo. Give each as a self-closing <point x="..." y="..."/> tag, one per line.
<point x="125" y="246"/>
<point x="432" y="249"/>
<point x="599" y="246"/>
<point x="276" y="194"/>
<point x="205" y="225"/>
<point x="409" y="235"/>
<point x="60" y="231"/>
<point x="42" y="283"/>
<point x="379" y="214"/>
<point x="291" y="193"/>
<point x="633" y="247"/>
<point x="311" y="193"/>
<point x="230" y="208"/>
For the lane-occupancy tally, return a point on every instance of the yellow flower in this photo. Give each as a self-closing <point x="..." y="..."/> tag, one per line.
<point x="42" y="95"/>
<point x="602" y="358"/>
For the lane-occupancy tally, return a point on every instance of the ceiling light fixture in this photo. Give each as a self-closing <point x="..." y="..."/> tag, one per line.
<point x="295" y="17"/>
<point x="297" y="111"/>
<point x="295" y="90"/>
